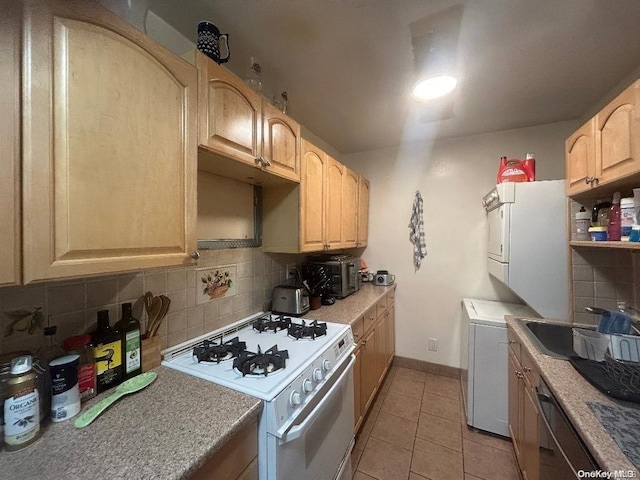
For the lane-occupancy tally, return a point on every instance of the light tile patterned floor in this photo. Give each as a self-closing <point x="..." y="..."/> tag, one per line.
<point x="416" y="431"/>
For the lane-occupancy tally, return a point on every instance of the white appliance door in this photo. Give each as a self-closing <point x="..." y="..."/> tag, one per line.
<point x="317" y="445"/>
<point x="498" y="242"/>
<point x="488" y="381"/>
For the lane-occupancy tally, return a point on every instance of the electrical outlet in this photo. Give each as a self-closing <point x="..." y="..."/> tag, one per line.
<point x="290" y="270"/>
<point x="433" y="344"/>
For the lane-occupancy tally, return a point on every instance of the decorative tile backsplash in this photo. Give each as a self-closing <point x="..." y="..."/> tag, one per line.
<point x="72" y="305"/>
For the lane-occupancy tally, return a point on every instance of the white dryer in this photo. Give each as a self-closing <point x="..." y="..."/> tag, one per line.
<point x="484" y="357"/>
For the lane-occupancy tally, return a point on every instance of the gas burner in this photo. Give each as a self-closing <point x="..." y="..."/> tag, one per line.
<point x="268" y="323"/>
<point x="209" y="351"/>
<point x="250" y="363"/>
<point x="311" y="331"/>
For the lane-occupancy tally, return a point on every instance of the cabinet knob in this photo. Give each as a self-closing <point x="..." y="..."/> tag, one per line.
<point x="195" y="255"/>
<point x="588" y="180"/>
<point x="526" y="369"/>
<point x="519" y="374"/>
<point x="266" y="163"/>
<point x="512" y="342"/>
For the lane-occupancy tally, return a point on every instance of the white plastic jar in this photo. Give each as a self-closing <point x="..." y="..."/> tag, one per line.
<point x="626" y="216"/>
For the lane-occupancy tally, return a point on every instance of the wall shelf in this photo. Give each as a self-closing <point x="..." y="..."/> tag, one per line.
<point x="616" y="245"/>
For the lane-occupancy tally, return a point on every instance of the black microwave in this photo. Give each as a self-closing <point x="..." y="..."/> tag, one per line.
<point x="340" y="270"/>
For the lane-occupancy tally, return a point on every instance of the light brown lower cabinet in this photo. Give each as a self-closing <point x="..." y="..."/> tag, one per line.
<point x="523" y="412"/>
<point x="374" y="334"/>
<point x="236" y="460"/>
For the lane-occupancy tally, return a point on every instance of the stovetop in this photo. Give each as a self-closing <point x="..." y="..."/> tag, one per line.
<point x="297" y="357"/>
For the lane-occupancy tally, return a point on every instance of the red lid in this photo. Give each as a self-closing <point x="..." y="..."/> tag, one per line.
<point x="76" y="342"/>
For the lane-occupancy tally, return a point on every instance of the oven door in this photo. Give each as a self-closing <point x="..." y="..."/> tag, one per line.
<point x="317" y="446"/>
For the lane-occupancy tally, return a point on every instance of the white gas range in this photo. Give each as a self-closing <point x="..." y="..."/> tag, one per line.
<point x="303" y="372"/>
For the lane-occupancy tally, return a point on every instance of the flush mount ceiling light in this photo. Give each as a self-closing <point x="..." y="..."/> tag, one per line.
<point x="435" y="43"/>
<point x="434" y="86"/>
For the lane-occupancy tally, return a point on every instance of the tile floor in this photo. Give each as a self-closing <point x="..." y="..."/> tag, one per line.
<point x="415" y="430"/>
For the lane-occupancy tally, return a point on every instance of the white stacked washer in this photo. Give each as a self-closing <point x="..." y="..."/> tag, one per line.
<point x="484" y="358"/>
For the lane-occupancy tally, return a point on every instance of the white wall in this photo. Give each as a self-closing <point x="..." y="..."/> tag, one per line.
<point x="452" y="176"/>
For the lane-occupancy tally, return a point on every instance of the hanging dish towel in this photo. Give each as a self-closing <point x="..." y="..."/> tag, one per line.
<point x="416" y="231"/>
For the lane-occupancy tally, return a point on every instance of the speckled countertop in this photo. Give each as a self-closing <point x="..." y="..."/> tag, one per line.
<point x="573" y="392"/>
<point x="165" y="431"/>
<point x="350" y="308"/>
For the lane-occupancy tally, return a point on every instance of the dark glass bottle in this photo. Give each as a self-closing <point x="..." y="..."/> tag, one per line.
<point x="129" y="329"/>
<point x="108" y="353"/>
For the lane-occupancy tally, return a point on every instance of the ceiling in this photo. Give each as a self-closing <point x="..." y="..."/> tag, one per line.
<point x="347" y="65"/>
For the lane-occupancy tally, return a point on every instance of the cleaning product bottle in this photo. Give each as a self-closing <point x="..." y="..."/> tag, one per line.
<point x="108" y="353"/>
<point x="613" y="230"/>
<point x="22" y="406"/>
<point x="129" y="329"/>
<point x="530" y="166"/>
<point x="583" y="222"/>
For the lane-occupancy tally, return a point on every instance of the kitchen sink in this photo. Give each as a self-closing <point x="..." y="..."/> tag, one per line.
<point x="554" y="339"/>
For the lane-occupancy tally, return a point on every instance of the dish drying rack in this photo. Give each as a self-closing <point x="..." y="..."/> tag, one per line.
<point x="609" y="362"/>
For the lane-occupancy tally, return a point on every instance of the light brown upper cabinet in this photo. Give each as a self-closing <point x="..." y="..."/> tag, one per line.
<point x="109" y="145"/>
<point x="350" y="208"/>
<point x="313" y="191"/>
<point x="333" y="231"/>
<point x="606" y="149"/>
<point x="241" y="136"/>
<point x="618" y="137"/>
<point x="10" y="257"/>
<point x="363" y="211"/>
<point x="317" y="214"/>
<point x="581" y="158"/>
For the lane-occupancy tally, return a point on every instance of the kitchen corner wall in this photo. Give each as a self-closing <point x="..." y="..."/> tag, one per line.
<point x="72" y="305"/>
<point x="452" y="175"/>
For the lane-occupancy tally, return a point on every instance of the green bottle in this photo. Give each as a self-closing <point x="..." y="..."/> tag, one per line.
<point x="129" y="329"/>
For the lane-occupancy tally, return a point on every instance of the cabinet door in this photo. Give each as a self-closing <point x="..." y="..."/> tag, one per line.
<point x="363" y="211"/>
<point x="580" y="158"/>
<point x="357" y="379"/>
<point x="312" y="195"/>
<point x="10" y="257"/>
<point x="617" y="137"/>
<point x="109" y="145"/>
<point x="514" y="404"/>
<point x="530" y="452"/>
<point x="230" y="115"/>
<point x="350" y="209"/>
<point x="281" y="143"/>
<point x="368" y="369"/>
<point x="391" y="334"/>
<point x="333" y="205"/>
<point x="381" y="330"/>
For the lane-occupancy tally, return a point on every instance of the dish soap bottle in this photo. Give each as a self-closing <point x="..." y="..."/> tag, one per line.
<point x="108" y="353"/>
<point x="613" y="229"/>
<point x="129" y="329"/>
<point x="22" y="406"/>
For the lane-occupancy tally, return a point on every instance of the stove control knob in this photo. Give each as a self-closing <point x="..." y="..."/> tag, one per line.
<point x="317" y="375"/>
<point x="307" y="386"/>
<point x="326" y="365"/>
<point x="295" y="399"/>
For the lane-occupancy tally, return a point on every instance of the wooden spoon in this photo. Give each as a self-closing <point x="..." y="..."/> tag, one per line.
<point x="153" y="315"/>
<point x="166" y="303"/>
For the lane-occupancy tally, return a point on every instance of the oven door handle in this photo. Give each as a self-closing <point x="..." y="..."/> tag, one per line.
<point x="298" y="430"/>
<point x="543" y="397"/>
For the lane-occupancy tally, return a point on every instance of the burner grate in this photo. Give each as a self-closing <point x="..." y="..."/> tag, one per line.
<point x="211" y="351"/>
<point x="267" y="323"/>
<point x="250" y="363"/>
<point x="310" y="331"/>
